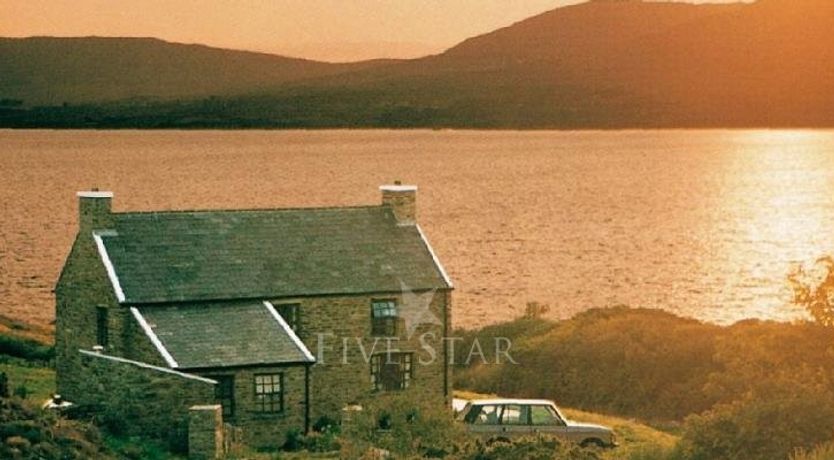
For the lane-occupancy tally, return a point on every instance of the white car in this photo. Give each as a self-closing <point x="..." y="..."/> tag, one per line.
<point x="507" y="419"/>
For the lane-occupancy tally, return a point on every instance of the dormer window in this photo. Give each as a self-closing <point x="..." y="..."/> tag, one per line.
<point x="384" y="318"/>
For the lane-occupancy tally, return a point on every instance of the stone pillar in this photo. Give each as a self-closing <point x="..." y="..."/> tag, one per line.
<point x="403" y="201"/>
<point x="349" y="414"/>
<point x="205" y="432"/>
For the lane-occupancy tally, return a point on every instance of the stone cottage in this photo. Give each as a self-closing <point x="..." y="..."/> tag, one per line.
<point x="281" y="316"/>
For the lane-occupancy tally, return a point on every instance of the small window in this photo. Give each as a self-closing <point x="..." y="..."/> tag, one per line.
<point x="102" y="333"/>
<point x="483" y="415"/>
<point x="515" y="414"/>
<point x="290" y="314"/>
<point x="384" y="318"/>
<point x="544" y="415"/>
<point x="269" y="394"/>
<point x="391" y="371"/>
<point x="224" y="394"/>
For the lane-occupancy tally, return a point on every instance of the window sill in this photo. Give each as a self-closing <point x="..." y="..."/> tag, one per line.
<point x="267" y="415"/>
<point x="398" y="390"/>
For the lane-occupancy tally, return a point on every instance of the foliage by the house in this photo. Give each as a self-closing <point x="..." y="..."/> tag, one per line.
<point x="757" y="387"/>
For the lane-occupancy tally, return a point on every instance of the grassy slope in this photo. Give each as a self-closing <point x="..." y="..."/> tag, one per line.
<point x="39" y="381"/>
<point x="632" y="435"/>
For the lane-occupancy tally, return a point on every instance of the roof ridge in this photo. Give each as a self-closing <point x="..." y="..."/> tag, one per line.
<point x="248" y="210"/>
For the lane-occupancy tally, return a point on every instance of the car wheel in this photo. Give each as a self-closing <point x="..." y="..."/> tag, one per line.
<point x="592" y="442"/>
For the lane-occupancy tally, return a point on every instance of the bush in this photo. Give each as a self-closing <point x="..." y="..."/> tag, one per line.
<point x="21" y="391"/>
<point x="771" y="422"/>
<point x="294" y="440"/>
<point x="314" y="442"/>
<point x="26" y="349"/>
<point x="533" y="448"/>
<point x="647" y="364"/>
<point x="407" y="431"/>
<point x="31" y="433"/>
<point x="589" y="361"/>
<point x="325" y="424"/>
<point x="322" y="442"/>
<point x="821" y="452"/>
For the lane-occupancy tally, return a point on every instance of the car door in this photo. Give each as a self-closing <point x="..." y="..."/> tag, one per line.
<point x="545" y="419"/>
<point x="515" y="420"/>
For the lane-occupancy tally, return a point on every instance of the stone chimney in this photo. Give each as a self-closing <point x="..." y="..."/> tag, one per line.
<point x="94" y="210"/>
<point x="403" y="201"/>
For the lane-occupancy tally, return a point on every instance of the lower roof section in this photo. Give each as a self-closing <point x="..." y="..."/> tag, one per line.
<point x="222" y="335"/>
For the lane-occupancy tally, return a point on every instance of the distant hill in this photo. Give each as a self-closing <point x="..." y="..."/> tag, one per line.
<point x="44" y="70"/>
<point x="601" y="64"/>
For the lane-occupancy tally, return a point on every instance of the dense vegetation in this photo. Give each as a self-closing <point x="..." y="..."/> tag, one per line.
<point x="26" y="349"/>
<point x="754" y="390"/>
<point x="27" y="432"/>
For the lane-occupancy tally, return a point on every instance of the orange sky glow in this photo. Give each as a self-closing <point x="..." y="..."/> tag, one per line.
<point x="330" y="30"/>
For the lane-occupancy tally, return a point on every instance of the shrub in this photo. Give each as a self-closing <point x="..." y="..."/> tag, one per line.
<point x="314" y="442"/>
<point x="821" y="452"/>
<point x="768" y="423"/>
<point x="294" y="440"/>
<point x="322" y="442"/>
<point x="26" y="349"/>
<point x="671" y="367"/>
<point x="4" y="385"/>
<point x="408" y="430"/>
<point x="31" y="433"/>
<point x="325" y="424"/>
<point x="587" y="362"/>
<point x="21" y="391"/>
<point x="532" y="448"/>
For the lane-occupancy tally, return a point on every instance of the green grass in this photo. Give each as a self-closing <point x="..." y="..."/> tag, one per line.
<point x="39" y="381"/>
<point x="637" y="440"/>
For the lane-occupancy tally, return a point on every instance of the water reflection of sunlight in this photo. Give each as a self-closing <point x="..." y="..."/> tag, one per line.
<point x="781" y="136"/>
<point x="779" y="184"/>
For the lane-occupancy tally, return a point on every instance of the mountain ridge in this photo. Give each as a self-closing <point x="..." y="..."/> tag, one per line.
<point x="57" y="70"/>
<point x="600" y="64"/>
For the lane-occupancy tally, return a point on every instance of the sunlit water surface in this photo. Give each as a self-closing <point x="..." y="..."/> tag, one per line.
<point x="699" y="223"/>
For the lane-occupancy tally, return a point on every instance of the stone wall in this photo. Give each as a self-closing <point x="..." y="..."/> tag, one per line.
<point x="332" y="329"/>
<point x="142" y="399"/>
<point x="265" y="429"/>
<point x="84" y="287"/>
<point x="205" y="432"/>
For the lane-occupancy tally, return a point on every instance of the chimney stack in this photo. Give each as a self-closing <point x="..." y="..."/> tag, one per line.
<point x="94" y="210"/>
<point x="403" y="201"/>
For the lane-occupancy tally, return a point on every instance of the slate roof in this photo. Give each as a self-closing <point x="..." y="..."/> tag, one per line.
<point x="223" y="335"/>
<point x="217" y="255"/>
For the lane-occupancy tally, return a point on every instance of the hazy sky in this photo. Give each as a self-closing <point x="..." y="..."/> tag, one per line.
<point x="317" y="29"/>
